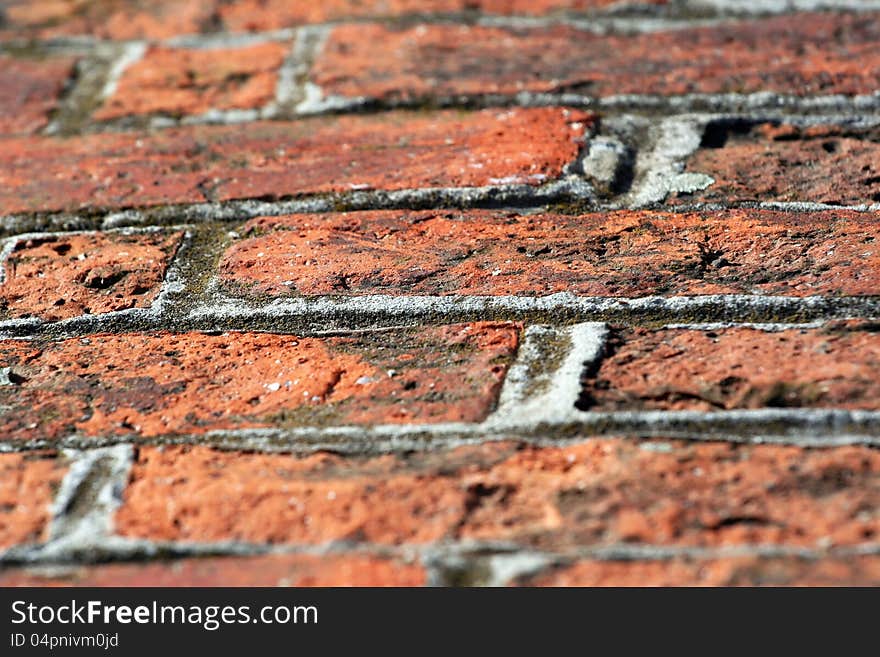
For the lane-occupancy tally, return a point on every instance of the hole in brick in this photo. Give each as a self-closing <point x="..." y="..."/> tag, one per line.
<point x="716" y="133"/>
<point x="104" y="282"/>
<point x="830" y="146"/>
<point x="61" y="249"/>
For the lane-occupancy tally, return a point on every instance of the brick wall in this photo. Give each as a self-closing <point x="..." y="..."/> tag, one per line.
<point x="572" y="292"/>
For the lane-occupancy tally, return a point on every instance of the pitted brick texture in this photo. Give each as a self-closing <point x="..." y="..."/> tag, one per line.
<point x="165" y="383"/>
<point x="276" y="160"/>
<point x="602" y="254"/>
<point x="177" y="81"/>
<point x="28" y="483"/>
<point x="30" y="91"/>
<point x="58" y="277"/>
<point x="800" y="55"/>
<point x="823" y="164"/>
<point x="603" y="491"/>
<point x="836" y="366"/>
<point x="741" y="571"/>
<point x="269" y="570"/>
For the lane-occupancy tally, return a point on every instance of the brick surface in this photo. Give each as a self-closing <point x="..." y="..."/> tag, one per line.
<point x="742" y="571"/>
<point x="27" y="485"/>
<point x="179" y="82"/>
<point x="153" y="384"/>
<point x="30" y="90"/>
<point x="106" y="19"/>
<point x="58" y="277"/>
<point x="603" y="491"/>
<point x="836" y="366"/>
<point x="602" y="254"/>
<point x="257" y="15"/>
<point x="825" y="164"/>
<point x="270" y="570"/>
<point x="271" y="160"/>
<point x="800" y="55"/>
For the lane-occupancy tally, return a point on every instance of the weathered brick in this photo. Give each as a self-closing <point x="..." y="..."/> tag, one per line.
<point x="179" y="81"/>
<point x="739" y="571"/>
<point x="603" y="491"/>
<point x="835" y="366"/>
<point x="258" y="15"/>
<point x="825" y="164"/>
<point x="802" y="54"/>
<point x="164" y="383"/>
<point x="106" y="19"/>
<point x="269" y="570"/>
<point x="602" y="254"/>
<point x="30" y="90"/>
<point x="397" y="150"/>
<point x="60" y="276"/>
<point x="27" y="486"/>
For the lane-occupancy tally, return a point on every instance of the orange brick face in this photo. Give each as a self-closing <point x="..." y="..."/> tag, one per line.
<point x="602" y="254"/>
<point x="763" y="55"/>
<point x="272" y="160"/>
<point x="30" y="90"/>
<point x="744" y="571"/>
<point x="270" y="570"/>
<point x="58" y="277"/>
<point x="28" y="483"/>
<point x="179" y="82"/>
<point x="824" y="164"/>
<point x="604" y="491"/>
<point x="731" y="368"/>
<point x="155" y="384"/>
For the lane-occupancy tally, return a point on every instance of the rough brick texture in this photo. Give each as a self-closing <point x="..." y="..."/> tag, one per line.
<point x="179" y="82"/>
<point x="825" y="164"/>
<point x="133" y="19"/>
<point x="58" y="277"/>
<point x="27" y="485"/>
<point x="835" y="366"/>
<point x="600" y="492"/>
<point x="777" y="54"/>
<point x="602" y="254"/>
<point x="742" y="571"/>
<point x="30" y="90"/>
<point x="271" y="570"/>
<point x="154" y="384"/>
<point x="326" y="154"/>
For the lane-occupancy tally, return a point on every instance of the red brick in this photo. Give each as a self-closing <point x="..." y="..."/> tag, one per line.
<point x="27" y="487"/>
<point x="740" y="571"/>
<point x="178" y="82"/>
<point x="679" y="369"/>
<point x="60" y="276"/>
<point x="603" y="491"/>
<point x="258" y="15"/>
<point x="204" y="495"/>
<point x="603" y="254"/>
<point x="825" y="164"/>
<point x="802" y="54"/>
<point x="391" y="151"/>
<point x="163" y="383"/>
<point x="270" y="570"/>
<point x="30" y="90"/>
<point x="106" y="19"/>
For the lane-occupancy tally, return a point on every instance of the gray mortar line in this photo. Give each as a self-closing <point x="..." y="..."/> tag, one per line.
<point x="566" y="188"/>
<point x="131" y="53"/>
<point x="504" y="558"/>
<point x="89" y="495"/>
<point x="173" y="311"/>
<point x="659" y="170"/>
